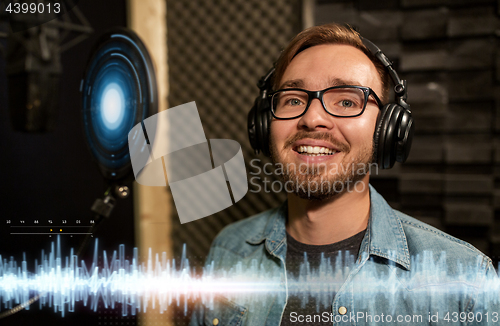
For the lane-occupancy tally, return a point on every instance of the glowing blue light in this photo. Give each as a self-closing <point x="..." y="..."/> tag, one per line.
<point x="112" y="106"/>
<point x="142" y="55"/>
<point x="115" y="92"/>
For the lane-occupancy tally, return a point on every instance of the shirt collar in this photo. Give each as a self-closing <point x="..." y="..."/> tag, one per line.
<point x="274" y="233"/>
<point x="385" y="236"/>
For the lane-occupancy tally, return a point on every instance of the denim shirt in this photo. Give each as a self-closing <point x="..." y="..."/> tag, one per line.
<point x="406" y="272"/>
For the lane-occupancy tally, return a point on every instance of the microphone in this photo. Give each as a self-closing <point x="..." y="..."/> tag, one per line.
<point x="33" y="57"/>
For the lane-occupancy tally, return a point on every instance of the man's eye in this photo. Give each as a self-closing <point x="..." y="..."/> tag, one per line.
<point x="294" y="102"/>
<point x="346" y="103"/>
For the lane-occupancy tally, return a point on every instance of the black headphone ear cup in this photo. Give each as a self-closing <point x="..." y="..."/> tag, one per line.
<point x="259" y="117"/>
<point x="393" y="136"/>
<point x="377" y="144"/>
<point x="266" y="128"/>
<point x="258" y="123"/>
<point x="405" y="137"/>
<point x="385" y="133"/>
<point x="265" y="117"/>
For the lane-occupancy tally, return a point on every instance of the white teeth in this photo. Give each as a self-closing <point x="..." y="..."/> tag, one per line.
<point x="315" y="150"/>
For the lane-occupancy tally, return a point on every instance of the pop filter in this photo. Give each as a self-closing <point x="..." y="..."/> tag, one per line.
<point x="118" y="91"/>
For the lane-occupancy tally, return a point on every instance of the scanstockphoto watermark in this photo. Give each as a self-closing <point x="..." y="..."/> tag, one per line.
<point x="308" y="187"/>
<point x="309" y="178"/>
<point x="332" y="169"/>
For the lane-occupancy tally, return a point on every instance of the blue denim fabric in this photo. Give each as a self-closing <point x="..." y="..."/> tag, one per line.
<point x="405" y="269"/>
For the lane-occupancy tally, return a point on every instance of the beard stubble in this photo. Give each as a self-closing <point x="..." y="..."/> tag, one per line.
<point x="322" y="181"/>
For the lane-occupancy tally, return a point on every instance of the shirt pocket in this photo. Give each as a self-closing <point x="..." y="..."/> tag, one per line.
<point x="225" y="313"/>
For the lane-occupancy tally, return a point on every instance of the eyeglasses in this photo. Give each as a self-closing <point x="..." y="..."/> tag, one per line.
<point x="339" y="101"/>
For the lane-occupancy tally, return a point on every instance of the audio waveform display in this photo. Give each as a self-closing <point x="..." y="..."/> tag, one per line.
<point x="157" y="283"/>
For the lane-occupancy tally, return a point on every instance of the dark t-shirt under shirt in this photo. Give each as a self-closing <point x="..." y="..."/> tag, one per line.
<point x="303" y="260"/>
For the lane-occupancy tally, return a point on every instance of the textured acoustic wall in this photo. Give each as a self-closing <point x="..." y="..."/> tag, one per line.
<point x="448" y="51"/>
<point x="218" y="50"/>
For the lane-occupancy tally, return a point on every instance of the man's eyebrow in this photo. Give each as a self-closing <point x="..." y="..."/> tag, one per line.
<point x="294" y="83"/>
<point x="342" y="82"/>
<point x="299" y="83"/>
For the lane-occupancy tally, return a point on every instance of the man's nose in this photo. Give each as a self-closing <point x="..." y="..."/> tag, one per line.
<point x="316" y="117"/>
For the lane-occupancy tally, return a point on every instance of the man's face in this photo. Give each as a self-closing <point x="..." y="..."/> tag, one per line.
<point x="345" y="145"/>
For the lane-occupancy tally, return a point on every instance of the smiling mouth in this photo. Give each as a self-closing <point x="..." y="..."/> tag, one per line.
<point x="314" y="150"/>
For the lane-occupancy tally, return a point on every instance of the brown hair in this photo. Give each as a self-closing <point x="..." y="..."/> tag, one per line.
<point x="328" y="34"/>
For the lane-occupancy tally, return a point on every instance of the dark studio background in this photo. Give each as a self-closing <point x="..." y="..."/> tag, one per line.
<point x="52" y="176"/>
<point x="217" y="50"/>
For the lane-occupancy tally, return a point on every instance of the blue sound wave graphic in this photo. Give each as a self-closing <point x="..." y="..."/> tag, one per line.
<point x="157" y="283"/>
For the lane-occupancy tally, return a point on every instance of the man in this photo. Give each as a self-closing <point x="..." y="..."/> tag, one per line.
<point x="335" y="251"/>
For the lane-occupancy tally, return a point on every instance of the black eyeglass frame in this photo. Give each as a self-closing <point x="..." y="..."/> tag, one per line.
<point x="319" y="95"/>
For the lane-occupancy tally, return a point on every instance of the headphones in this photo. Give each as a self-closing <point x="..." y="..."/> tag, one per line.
<point x="393" y="132"/>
